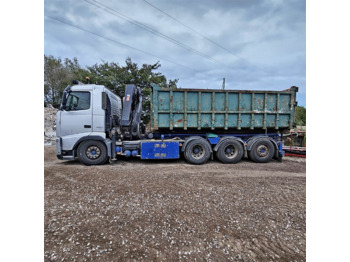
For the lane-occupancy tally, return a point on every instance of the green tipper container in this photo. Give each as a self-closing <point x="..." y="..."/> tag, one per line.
<point x="214" y="109"/>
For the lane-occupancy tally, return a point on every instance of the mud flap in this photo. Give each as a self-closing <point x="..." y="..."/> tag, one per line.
<point x="280" y="156"/>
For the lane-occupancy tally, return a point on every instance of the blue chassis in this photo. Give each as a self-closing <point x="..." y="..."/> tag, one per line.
<point x="212" y="138"/>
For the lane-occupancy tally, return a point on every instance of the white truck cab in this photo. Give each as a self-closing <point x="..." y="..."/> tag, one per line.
<point x="85" y="116"/>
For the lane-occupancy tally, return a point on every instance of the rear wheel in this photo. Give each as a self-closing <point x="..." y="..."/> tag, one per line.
<point x="230" y="151"/>
<point x="197" y="151"/>
<point x="92" y="152"/>
<point x="262" y="151"/>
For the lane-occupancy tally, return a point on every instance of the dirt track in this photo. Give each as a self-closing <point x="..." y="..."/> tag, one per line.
<point x="174" y="211"/>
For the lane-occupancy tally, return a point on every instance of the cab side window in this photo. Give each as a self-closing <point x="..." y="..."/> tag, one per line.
<point x="78" y="101"/>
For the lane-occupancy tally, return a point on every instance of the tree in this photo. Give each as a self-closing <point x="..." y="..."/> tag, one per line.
<point x="57" y="75"/>
<point x="75" y="70"/>
<point x="115" y="77"/>
<point x="300" y="116"/>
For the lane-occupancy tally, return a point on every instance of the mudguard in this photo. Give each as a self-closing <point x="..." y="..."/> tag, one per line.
<point x="229" y="137"/>
<point x="190" y="139"/>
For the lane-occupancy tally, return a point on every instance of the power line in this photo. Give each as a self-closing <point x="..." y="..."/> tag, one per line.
<point x="151" y="30"/>
<point x="193" y="30"/>
<point x="147" y="28"/>
<point x="207" y="38"/>
<point x="115" y="41"/>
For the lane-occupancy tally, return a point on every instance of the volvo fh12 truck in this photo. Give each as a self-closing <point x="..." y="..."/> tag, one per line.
<point x="95" y="125"/>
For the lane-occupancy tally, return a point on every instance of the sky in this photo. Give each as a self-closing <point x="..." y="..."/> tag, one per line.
<point x="253" y="44"/>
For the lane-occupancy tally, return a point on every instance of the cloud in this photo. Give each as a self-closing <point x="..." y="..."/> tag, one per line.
<point x="265" y="39"/>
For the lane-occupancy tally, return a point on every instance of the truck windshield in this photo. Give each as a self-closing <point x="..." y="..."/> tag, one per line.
<point x="78" y="101"/>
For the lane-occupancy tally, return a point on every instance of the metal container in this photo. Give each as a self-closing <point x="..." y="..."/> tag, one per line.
<point x="221" y="110"/>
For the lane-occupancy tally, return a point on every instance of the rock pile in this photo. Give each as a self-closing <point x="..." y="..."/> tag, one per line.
<point x="49" y="124"/>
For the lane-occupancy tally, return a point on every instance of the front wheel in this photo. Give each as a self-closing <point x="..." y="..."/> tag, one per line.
<point x="92" y="152"/>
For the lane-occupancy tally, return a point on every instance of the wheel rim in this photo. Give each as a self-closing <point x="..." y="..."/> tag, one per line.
<point x="230" y="151"/>
<point x="197" y="152"/>
<point x="93" y="152"/>
<point x="262" y="151"/>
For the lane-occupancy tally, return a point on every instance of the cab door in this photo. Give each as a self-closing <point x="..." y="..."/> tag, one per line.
<point x="76" y="118"/>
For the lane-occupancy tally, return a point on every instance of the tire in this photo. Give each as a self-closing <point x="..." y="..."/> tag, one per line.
<point x="230" y="151"/>
<point x="262" y="151"/>
<point x="197" y="151"/>
<point x="92" y="152"/>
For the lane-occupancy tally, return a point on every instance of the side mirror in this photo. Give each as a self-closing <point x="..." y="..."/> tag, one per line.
<point x="64" y="100"/>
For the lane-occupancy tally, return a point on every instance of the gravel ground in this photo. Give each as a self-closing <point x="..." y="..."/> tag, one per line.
<point x="174" y="211"/>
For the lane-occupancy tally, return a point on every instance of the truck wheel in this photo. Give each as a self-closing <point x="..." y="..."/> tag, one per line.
<point x="197" y="151"/>
<point x="262" y="151"/>
<point x="230" y="151"/>
<point x="92" y="152"/>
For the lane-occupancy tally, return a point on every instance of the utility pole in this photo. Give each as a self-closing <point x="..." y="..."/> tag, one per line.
<point x="223" y="83"/>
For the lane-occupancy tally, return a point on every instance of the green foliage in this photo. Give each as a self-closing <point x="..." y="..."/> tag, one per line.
<point x="300" y="116"/>
<point x="115" y="77"/>
<point x="59" y="74"/>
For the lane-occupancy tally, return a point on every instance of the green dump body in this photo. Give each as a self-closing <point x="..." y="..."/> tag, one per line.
<point x="222" y="110"/>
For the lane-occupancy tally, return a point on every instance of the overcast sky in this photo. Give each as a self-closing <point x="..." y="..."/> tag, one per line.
<point x="254" y="44"/>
